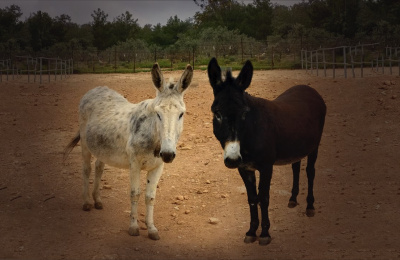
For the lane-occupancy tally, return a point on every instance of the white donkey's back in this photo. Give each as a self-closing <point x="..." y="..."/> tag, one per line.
<point x="136" y="136"/>
<point x="104" y="117"/>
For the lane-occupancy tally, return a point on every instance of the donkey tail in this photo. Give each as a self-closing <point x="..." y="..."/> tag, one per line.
<point x="71" y="145"/>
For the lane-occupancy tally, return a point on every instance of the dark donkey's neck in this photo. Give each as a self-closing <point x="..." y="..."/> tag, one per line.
<point x="258" y="140"/>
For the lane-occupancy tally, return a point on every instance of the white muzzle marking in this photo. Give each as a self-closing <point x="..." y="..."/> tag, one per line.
<point x="232" y="150"/>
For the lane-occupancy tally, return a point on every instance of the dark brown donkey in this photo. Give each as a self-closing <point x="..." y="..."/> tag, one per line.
<point x="256" y="134"/>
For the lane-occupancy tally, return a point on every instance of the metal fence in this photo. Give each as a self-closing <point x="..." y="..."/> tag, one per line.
<point x="118" y="59"/>
<point x="35" y="69"/>
<point x="357" y="60"/>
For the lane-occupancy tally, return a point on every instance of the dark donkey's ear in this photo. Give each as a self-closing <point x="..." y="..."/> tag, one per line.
<point x="214" y="75"/>
<point x="245" y="76"/>
<point x="156" y="75"/>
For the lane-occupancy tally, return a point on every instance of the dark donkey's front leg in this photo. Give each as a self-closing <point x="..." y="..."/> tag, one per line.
<point x="249" y="179"/>
<point x="263" y="198"/>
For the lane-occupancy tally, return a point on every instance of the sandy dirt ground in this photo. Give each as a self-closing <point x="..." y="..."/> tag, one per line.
<point x="357" y="185"/>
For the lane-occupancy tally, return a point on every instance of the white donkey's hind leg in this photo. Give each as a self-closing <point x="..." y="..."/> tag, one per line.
<point x="98" y="170"/>
<point x="135" y="194"/>
<point x="86" y="156"/>
<point x="151" y="188"/>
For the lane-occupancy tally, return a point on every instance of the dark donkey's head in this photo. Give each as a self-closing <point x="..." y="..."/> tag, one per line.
<point x="229" y="108"/>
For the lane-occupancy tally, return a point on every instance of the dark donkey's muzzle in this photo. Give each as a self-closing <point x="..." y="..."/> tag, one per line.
<point x="233" y="163"/>
<point x="232" y="157"/>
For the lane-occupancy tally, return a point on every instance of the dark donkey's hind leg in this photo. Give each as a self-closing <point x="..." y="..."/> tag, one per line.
<point x="249" y="179"/>
<point x="312" y="158"/>
<point x="295" y="189"/>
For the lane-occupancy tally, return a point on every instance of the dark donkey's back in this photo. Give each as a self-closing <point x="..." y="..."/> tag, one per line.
<point x="290" y="127"/>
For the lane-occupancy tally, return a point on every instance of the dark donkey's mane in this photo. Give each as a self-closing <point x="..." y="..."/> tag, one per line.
<point x="256" y="134"/>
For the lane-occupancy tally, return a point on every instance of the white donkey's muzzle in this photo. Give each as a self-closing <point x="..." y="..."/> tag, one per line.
<point x="168" y="149"/>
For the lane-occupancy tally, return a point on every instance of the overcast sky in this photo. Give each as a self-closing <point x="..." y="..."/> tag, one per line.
<point x="146" y="11"/>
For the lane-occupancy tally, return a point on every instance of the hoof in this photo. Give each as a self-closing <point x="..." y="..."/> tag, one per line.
<point x="154" y="236"/>
<point x="133" y="231"/>
<point x="98" y="205"/>
<point x="292" y="204"/>
<point x="87" y="207"/>
<point x="250" y="239"/>
<point x="310" y="212"/>
<point x="263" y="241"/>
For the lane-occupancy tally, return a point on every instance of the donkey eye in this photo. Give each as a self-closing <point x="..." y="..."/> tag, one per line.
<point x="159" y="117"/>
<point x="244" y="115"/>
<point x="218" y="116"/>
<point x="181" y="115"/>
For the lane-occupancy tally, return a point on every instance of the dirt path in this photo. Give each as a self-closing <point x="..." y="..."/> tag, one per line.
<point x="357" y="186"/>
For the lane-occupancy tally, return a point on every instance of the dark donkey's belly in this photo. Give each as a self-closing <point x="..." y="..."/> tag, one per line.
<point x="298" y="116"/>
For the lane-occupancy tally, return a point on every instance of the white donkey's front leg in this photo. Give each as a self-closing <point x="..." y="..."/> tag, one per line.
<point x="135" y="194"/>
<point x="151" y="188"/>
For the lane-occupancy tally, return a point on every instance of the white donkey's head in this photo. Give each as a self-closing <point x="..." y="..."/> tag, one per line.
<point x="170" y="108"/>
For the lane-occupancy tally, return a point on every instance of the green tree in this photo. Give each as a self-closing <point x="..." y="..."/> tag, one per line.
<point x="12" y="33"/>
<point x="101" y="29"/>
<point x="60" y="28"/>
<point x="259" y="17"/>
<point x="125" y="27"/>
<point x="39" y="25"/>
<point x="10" y="24"/>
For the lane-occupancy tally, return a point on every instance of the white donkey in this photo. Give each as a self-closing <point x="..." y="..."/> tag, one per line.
<point x="136" y="136"/>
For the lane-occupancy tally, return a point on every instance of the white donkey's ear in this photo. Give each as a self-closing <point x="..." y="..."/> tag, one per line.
<point x="156" y="75"/>
<point x="186" y="78"/>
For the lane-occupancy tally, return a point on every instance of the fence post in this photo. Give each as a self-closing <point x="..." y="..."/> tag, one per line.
<point x="301" y="57"/>
<point x="272" y="57"/>
<point x="362" y="65"/>
<point x="334" y="64"/>
<point x="27" y="63"/>
<point x="13" y="66"/>
<point x="241" y="45"/>
<point x="306" y="59"/>
<point x="316" y="57"/>
<point x="35" y="70"/>
<point x="323" y="60"/>
<point x="40" y="68"/>
<point x="390" y="60"/>
<point x="134" y="61"/>
<point x="193" y="58"/>
<point x="115" y="59"/>
<point x="344" y="62"/>
<point x="48" y="69"/>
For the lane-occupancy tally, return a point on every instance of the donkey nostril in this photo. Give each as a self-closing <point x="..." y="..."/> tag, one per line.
<point x="167" y="156"/>
<point x="232" y="163"/>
